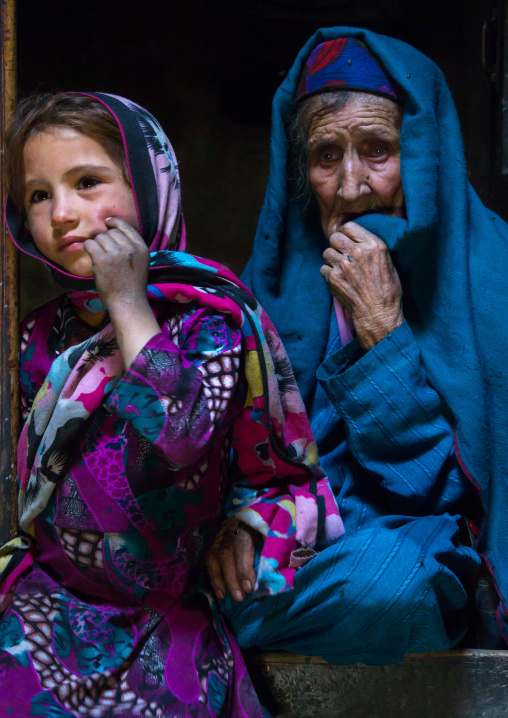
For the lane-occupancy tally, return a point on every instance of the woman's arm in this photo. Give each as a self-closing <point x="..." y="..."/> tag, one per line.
<point x="397" y="427"/>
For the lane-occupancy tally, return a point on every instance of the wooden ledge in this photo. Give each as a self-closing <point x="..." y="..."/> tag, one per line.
<point x="269" y="658"/>
<point x="448" y="684"/>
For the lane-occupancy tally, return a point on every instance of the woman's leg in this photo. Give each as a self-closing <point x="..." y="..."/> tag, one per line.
<point x="371" y="597"/>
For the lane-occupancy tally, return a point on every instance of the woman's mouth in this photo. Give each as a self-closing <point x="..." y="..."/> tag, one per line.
<point x="353" y="216"/>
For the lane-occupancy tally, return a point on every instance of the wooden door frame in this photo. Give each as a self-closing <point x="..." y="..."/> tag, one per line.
<point x="9" y="293"/>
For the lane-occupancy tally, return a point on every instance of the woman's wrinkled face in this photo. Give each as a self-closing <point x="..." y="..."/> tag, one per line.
<point x="71" y="186"/>
<point x="354" y="160"/>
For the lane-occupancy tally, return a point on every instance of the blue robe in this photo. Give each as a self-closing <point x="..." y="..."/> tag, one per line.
<point x="396" y="423"/>
<point x="392" y="585"/>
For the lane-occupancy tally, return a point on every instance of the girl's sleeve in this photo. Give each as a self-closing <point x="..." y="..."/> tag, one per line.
<point x="178" y="391"/>
<point x="397" y="427"/>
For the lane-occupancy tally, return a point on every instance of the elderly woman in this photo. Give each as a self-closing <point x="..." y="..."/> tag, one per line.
<point x="399" y="354"/>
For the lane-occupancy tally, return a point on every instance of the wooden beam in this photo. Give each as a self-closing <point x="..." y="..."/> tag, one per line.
<point x="9" y="293"/>
<point x="446" y="684"/>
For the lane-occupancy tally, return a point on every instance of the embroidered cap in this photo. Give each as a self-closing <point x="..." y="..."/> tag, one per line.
<point x="345" y="64"/>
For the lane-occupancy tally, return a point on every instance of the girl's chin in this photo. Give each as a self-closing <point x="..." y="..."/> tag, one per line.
<point x="78" y="269"/>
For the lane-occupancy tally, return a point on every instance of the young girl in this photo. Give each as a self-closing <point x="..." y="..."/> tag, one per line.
<point x="134" y="396"/>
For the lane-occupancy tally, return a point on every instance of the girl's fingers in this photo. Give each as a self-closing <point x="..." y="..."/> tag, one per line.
<point x="93" y="248"/>
<point x="228" y="566"/>
<point x="113" y="240"/>
<point x="230" y="561"/>
<point x="244" y="550"/>
<point x="125" y="228"/>
<point x="215" y="573"/>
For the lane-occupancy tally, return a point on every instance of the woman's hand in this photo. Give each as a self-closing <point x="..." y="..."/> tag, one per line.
<point x="230" y="561"/>
<point x="120" y="261"/>
<point x="360" y="273"/>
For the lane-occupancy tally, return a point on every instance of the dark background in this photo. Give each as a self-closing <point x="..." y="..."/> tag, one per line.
<point x="208" y="70"/>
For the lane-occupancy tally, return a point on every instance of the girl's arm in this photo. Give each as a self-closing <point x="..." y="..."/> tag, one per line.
<point x="179" y="395"/>
<point x="175" y="395"/>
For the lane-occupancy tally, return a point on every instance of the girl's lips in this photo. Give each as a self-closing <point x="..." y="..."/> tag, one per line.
<point x="68" y="244"/>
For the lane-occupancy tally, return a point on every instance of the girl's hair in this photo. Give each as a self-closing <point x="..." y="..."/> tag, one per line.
<point x="40" y="112"/>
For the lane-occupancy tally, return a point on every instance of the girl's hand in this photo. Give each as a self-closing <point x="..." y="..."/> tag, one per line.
<point x="360" y="273"/>
<point x="230" y="560"/>
<point x="120" y="261"/>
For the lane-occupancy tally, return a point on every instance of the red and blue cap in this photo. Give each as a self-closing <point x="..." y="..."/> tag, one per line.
<point x="345" y="64"/>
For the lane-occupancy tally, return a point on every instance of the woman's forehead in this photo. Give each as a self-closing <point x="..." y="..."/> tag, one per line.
<point x="363" y="114"/>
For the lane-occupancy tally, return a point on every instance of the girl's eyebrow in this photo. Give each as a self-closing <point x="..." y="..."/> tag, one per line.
<point x="75" y="170"/>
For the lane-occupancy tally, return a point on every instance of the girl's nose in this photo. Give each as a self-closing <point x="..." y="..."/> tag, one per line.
<point x="63" y="210"/>
<point x="352" y="179"/>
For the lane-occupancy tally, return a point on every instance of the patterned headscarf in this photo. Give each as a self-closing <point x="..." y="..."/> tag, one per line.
<point x="345" y="64"/>
<point x="153" y="183"/>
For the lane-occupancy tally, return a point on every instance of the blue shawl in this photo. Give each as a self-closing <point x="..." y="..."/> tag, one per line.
<point x="452" y="256"/>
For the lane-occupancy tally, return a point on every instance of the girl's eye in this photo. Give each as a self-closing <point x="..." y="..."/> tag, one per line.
<point x="87" y="182"/>
<point x="38" y="196"/>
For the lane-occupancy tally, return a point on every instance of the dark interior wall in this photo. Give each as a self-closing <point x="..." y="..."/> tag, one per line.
<point x="207" y="70"/>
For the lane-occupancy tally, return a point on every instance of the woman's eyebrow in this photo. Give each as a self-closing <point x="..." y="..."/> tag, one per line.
<point x="381" y="133"/>
<point x="318" y="143"/>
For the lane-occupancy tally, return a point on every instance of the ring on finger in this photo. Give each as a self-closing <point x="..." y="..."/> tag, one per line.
<point x="241" y="525"/>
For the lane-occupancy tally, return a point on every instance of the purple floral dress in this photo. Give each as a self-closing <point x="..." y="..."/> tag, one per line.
<point x="123" y="476"/>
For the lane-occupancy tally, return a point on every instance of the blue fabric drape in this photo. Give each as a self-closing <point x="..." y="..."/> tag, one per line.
<point x="451" y="253"/>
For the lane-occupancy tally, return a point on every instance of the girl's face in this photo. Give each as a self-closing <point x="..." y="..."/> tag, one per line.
<point x="71" y="186"/>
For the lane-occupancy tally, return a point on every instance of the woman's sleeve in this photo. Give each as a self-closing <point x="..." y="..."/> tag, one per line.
<point x="178" y="395"/>
<point x="397" y="427"/>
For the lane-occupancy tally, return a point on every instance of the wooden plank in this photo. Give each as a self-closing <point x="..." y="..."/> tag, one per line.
<point x="470" y="654"/>
<point x="9" y="293"/>
<point x="448" y="684"/>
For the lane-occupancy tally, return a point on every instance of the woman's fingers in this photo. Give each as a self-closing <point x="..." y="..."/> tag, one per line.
<point x="360" y="274"/>
<point x="355" y="233"/>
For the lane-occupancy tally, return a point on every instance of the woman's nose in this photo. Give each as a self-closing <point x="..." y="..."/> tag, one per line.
<point x="352" y="179"/>
<point x="63" y="209"/>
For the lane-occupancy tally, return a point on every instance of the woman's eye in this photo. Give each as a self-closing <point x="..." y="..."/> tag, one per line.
<point x="377" y="151"/>
<point x="87" y="182"/>
<point x="329" y="156"/>
<point x="38" y="196"/>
